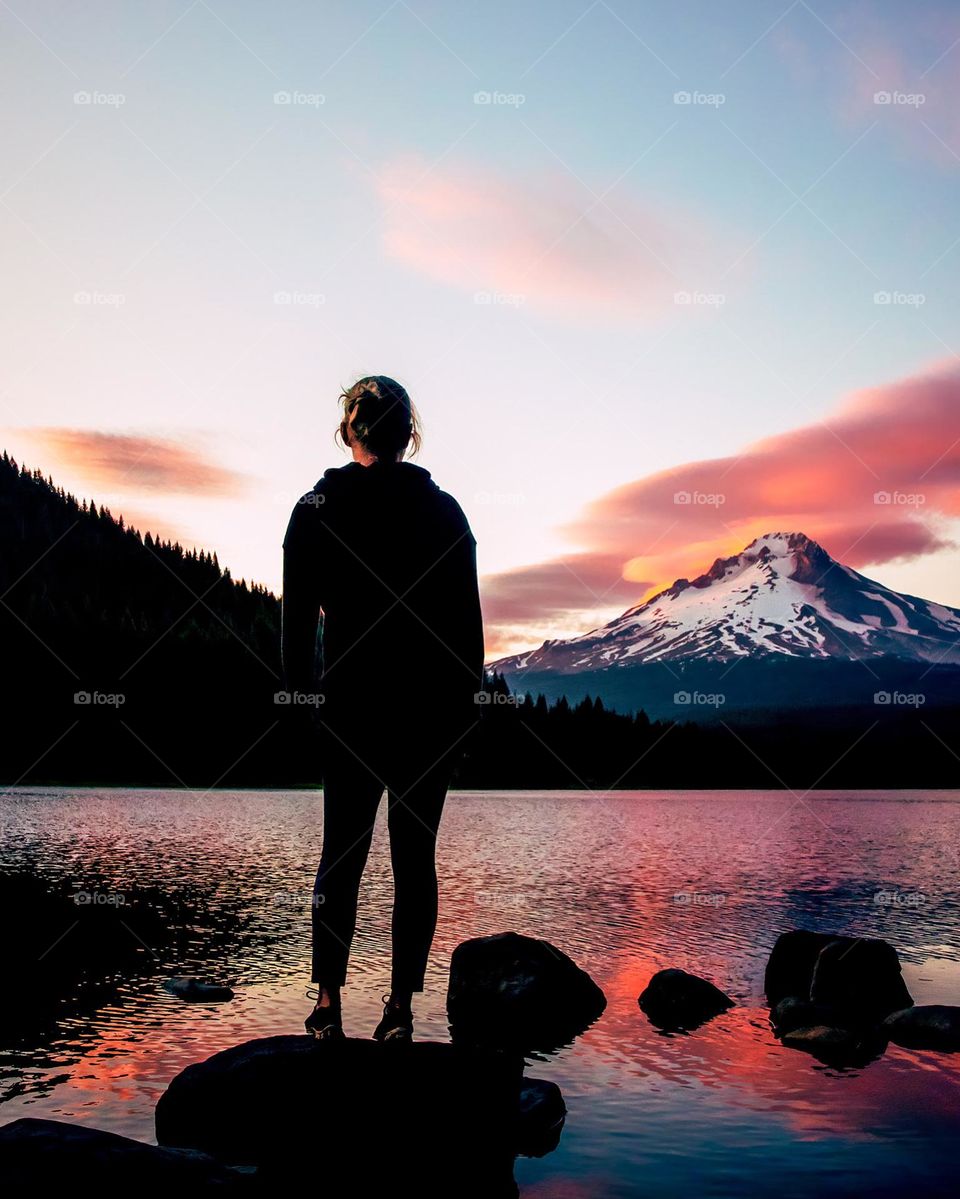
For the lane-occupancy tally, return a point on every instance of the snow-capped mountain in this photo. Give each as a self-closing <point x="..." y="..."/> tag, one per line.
<point x="782" y="595"/>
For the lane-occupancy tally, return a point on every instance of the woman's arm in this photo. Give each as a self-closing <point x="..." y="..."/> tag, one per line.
<point x="300" y="613"/>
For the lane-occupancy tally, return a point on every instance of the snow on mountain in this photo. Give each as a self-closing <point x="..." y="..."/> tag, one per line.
<point x="783" y="595"/>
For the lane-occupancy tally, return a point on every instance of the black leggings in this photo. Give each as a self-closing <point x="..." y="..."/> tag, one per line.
<point x="352" y="792"/>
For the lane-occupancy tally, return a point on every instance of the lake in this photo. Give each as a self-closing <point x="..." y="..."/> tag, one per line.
<point x="625" y="883"/>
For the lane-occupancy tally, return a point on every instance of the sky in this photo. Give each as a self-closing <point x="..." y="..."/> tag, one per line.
<point x="659" y="278"/>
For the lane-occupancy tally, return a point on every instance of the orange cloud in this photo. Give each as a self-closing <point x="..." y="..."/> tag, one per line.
<point x="872" y="483"/>
<point x="545" y="242"/>
<point x="137" y="463"/>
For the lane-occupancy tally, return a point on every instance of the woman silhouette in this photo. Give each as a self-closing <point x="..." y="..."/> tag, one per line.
<point x="385" y="563"/>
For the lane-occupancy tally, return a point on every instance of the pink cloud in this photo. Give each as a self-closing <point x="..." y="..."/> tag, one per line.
<point x="906" y="80"/>
<point x="136" y="463"/>
<point x="872" y="483"/>
<point x="544" y="240"/>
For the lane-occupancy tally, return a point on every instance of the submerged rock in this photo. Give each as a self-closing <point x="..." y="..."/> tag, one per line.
<point x="520" y="992"/>
<point x="77" y="1160"/>
<point x="674" y="999"/>
<point x="792" y="1012"/>
<point x="858" y="976"/>
<point x="839" y="1047"/>
<point x="194" y="990"/>
<point x="929" y="1026"/>
<point x="541" y="1116"/>
<point x="432" y="1117"/>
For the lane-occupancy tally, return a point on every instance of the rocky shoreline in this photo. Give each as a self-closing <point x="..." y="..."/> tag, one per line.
<point x="446" y="1117"/>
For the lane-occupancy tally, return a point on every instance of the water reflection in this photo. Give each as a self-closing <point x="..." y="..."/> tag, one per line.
<point x="625" y="884"/>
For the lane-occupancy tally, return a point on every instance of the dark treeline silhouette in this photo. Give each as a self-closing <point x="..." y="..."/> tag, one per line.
<point x="131" y="661"/>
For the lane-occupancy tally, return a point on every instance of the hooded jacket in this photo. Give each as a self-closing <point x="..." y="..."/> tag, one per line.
<point x="387" y="562"/>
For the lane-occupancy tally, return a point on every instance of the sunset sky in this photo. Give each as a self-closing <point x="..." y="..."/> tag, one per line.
<point x="621" y="254"/>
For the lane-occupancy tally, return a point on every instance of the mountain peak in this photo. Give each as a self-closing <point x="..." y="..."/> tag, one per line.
<point x="783" y="594"/>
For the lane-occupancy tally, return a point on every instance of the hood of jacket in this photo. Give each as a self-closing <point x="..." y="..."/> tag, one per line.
<point x="355" y="474"/>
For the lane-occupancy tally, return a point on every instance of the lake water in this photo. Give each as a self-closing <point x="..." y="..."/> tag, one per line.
<point x="625" y="883"/>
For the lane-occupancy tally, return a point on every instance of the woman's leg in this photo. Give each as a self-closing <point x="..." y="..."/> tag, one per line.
<point x="413" y="820"/>
<point x="351" y="797"/>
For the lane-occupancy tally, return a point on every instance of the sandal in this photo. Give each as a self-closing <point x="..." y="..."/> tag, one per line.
<point x="325" y="1023"/>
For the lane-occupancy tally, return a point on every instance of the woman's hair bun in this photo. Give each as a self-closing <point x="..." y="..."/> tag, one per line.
<point x="380" y="416"/>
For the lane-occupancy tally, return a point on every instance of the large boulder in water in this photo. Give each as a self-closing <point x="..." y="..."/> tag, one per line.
<point x="519" y="992"/>
<point x="859" y="977"/>
<point x="929" y="1026"/>
<point x="425" y="1116"/>
<point x="71" y="1159"/>
<point x="674" y="999"/>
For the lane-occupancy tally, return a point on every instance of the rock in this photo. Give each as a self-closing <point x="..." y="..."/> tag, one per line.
<point x="930" y="1026"/>
<point x="429" y="1116"/>
<point x="518" y="992"/>
<point x="674" y="999"/>
<point x="792" y="1013"/>
<point x="819" y="1036"/>
<point x="858" y="975"/>
<point x="76" y="1160"/>
<point x="541" y="1117"/>
<point x="790" y="967"/>
<point x="838" y="1047"/>
<point x="196" y="991"/>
